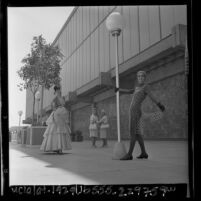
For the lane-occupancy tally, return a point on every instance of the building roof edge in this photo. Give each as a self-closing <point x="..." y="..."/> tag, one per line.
<point x="65" y="24"/>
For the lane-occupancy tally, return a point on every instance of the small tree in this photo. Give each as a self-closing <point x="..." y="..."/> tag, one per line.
<point x="41" y="68"/>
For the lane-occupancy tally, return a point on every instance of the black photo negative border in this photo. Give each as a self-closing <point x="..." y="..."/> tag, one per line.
<point x="78" y="191"/>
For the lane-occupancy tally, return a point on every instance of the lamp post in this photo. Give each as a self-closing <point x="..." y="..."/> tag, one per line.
<point x="114" y="24"/>
<point x="20" y="114"/>
<point x="37" y="97"/>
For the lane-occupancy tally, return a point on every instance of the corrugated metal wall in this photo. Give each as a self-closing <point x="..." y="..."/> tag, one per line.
<point x="89" y="48"/>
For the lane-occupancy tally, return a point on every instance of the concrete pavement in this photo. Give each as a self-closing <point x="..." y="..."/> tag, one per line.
<point x="167" y="163"/>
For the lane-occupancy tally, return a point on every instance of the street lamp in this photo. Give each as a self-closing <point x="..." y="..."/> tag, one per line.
<point x="19" y="131"/>
<point x="114" y="24"/>
<point x="37" y="97"/>
<point x="20" y="114"/>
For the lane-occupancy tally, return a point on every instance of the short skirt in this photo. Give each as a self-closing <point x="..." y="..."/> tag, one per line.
<point x="103" y="133"/>
<point x="93" y="133"/>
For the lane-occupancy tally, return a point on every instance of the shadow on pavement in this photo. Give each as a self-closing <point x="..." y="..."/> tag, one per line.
<point x="167" y="165"/>
<point x="25" y="156"/>
<point x="54" y="153"/>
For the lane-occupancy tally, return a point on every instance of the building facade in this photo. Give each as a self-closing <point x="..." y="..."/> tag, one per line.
<point x="153" y="40"/>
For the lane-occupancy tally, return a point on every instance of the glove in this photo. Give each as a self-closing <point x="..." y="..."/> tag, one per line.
<point x="161" y="107"/>
<point x="116" y="89"/>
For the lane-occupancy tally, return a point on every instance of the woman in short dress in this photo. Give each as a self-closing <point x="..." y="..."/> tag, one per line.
<point x="104" y="126"/>
<point x="135" y="113"/>
<point x="93" y="127"/>
<point x="57" y="134"/>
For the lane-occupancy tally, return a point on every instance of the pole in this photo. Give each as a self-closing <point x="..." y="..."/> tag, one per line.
<point x="41" y="104"/>
<point x="119" y="148"/>
<point x="117" y="86"/>
<point x="186" y="58"/>
<point x="37" y="110"/>
<point x="19" y="131"/>
<point x="19" y="120"/>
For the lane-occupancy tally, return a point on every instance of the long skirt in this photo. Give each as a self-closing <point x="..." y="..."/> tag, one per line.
<point x="57" y="134"/>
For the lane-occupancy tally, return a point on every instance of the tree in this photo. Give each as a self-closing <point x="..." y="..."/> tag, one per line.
<point x="41" y="68"/>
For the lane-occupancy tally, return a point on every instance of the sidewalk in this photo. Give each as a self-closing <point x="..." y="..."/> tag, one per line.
<point x="167" y="163"/>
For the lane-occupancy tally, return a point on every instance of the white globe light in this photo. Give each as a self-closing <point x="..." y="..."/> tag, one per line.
<point x="20" y="113"/>
<point x="115" y="22"/>
<point x="37" y="95"/>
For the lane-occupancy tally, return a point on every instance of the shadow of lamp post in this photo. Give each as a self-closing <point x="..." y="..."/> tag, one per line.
<point x="114" y="24"/>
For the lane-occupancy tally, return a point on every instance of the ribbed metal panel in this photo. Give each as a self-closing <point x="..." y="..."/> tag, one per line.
<point x="180" y="14"/>
<point x="88" y="47"/>
<point x="88" y="60"/>
<point x="144" y="27"/>
<point x="96" y="55"/>
<point x="167" y="20"/>
<point x="142" y="30"/>
<point x="134" y="30"/>
<point x="92" y="56"/>
<point x="154" y="24"/>
<point x="126" y="33"/>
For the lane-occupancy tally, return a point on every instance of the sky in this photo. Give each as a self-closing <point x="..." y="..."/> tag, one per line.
<point x="23" y="24"/>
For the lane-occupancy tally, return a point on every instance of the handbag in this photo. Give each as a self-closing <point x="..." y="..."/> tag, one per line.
<point x="156" y="116"/>
<point x="105" y="126"/>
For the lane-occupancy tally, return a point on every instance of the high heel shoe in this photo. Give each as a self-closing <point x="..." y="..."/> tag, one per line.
<point x="127" y="157"/>
<point x="141" y="156"/>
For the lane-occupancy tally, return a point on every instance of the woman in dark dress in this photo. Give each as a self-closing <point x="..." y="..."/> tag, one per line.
<point x="135" y="113"/>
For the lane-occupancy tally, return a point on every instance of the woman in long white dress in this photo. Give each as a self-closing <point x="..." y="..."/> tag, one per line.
<point x="57" y="134"/>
